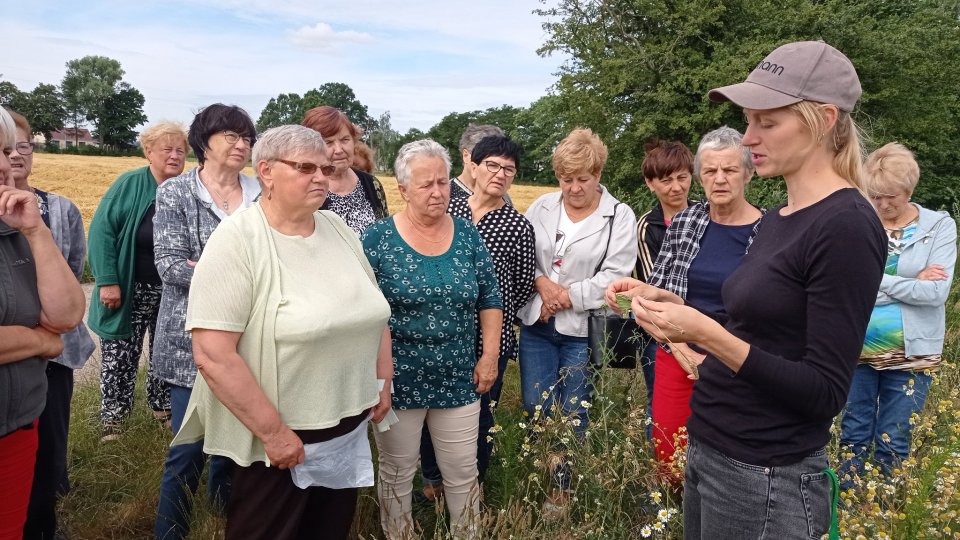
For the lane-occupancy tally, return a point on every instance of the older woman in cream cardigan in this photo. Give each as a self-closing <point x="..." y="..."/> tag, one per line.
<point x="283" y="364"/>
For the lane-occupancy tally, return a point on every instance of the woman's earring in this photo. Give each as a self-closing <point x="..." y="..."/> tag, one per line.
<point x="270" y="195"/>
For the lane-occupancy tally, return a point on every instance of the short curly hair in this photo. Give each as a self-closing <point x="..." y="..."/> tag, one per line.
<point x="581" y="151"/>
<point x="889" y="168"/>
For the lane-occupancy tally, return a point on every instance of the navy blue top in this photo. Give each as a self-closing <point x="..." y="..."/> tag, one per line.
<point x="721" y="249"/>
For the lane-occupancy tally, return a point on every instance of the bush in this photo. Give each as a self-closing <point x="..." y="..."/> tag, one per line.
<point x="90" y="150"/>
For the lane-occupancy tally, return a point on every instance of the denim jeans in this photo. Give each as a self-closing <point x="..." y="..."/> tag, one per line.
<point x="726" y="499"/>
<point x="550" y="359"/>
<point x="182" y="473"/>
<point x="880" y="403"/>
<point x="428" y="459"/>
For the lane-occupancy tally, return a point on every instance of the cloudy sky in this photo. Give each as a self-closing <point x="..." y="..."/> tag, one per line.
<point x="417" y="59"/>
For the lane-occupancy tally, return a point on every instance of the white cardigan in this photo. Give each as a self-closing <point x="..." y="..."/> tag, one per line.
<point x="583" y="252"/>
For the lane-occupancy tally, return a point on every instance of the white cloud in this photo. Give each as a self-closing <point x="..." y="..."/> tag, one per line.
<point x="323" y="36"/>
<point x="420" y="60"/>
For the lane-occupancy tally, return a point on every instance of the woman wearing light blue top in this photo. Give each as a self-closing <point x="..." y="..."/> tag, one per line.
<point x="905" y="336"/>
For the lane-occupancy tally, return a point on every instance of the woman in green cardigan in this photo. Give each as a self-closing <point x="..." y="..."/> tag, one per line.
<point x="127" y="298"/>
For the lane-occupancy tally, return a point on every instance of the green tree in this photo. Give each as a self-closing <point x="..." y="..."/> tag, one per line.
<point x="86" y="87"/>
<point x="640" y="69"/>
<point x="9" y="94"/>
<point x="340" y="96"/>
<point x="447" y="132"/>
<point x="123" y="112"/>
<point x="382" y="139"/>
<point x="538" y="129"/>
<point x="387" y="153"/>
<point x="281" y="110"/>
<point x="44" y="108"/>
<point x="289" y="108"/>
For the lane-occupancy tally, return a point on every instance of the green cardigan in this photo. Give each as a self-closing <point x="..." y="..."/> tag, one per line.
<point x="112" y="243"/>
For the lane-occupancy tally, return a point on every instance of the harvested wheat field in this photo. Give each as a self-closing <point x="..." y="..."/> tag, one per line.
<point x="84" y="179"/>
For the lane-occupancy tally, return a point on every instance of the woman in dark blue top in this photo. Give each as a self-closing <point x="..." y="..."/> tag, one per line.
<point x="703" y="246"/>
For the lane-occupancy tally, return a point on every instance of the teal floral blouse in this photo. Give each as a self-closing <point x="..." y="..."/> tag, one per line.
<point x="433" y="304"/>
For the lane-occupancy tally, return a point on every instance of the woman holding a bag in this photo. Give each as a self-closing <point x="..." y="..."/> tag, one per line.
<point x="585" y="240"/>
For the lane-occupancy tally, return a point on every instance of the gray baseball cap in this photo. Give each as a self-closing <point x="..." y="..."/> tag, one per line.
<point x="795" y="72"/>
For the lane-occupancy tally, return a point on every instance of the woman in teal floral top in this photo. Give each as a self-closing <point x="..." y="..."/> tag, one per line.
<point x="437" y="276"/>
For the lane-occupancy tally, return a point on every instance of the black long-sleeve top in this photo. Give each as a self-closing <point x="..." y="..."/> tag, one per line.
<point x="801" y="298"/>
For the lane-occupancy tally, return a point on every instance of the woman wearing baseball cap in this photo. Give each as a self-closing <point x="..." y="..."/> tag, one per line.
<point x="779" y="371"/>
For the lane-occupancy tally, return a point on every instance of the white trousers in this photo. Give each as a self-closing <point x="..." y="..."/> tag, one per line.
<point x="454" y="433"/>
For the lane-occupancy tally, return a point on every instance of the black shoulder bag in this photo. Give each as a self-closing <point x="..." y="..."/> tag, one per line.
<point x="612" y="340"/>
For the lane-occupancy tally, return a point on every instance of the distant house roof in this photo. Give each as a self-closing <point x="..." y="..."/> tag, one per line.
<point x="72" y="134"/>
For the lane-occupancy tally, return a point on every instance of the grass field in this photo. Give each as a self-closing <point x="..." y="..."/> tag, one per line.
<point x="84" y="179"/>
<point x="616" y="494"/>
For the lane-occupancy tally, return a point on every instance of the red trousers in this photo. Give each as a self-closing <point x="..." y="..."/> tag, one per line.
<point x="671" y="408"/>
<point x="18" y="455"/>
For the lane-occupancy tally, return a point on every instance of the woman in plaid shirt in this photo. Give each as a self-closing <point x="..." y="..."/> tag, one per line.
<point x="702" y="247"/>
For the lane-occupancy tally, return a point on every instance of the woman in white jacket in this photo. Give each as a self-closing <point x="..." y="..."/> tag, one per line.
<point x="905" y="336"/>
<point x="585" y="240"/>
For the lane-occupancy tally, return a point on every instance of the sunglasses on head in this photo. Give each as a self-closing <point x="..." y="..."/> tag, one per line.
<point x="309" y="168"/>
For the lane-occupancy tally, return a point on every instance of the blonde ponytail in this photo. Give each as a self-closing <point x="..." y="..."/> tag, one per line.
<point x="845" y="137"/>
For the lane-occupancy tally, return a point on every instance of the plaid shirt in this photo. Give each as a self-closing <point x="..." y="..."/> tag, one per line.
<point x="681" y="245"/>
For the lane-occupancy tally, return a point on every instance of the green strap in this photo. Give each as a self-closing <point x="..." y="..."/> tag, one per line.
<point x="834" y="502"/>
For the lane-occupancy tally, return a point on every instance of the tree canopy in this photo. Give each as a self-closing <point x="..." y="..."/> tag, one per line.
<point x="289" y="108"/>
<point x="93" y="90"/>
<point x="641" y="69"/>
<point x="42" y="106"/>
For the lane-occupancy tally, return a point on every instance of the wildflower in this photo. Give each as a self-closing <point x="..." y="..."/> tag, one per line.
<point x="585" y="404"/>
<point x="646" y="532"/>
<point x="658" y="526"/>
<point x="522" y="425"/>
<point x="489" y="438"/>
<point x="573" y="400"/>
<point x="885" y="437"/>
<point x="663" y="516"/>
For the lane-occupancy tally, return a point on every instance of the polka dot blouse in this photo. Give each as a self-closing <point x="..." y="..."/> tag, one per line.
<point x="509" y="238"/>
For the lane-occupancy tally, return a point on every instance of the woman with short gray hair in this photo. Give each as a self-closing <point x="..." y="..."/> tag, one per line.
<point x="282" y="364"/>
<point x="703" y="246"/>
<point x="439" y="279"/>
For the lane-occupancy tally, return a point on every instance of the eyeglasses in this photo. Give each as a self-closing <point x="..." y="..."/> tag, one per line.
<point x="495" y="167"/>
<point x="309" y="168"/>
<point x="25" y="148"/>
<point x="232" y="137"/>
